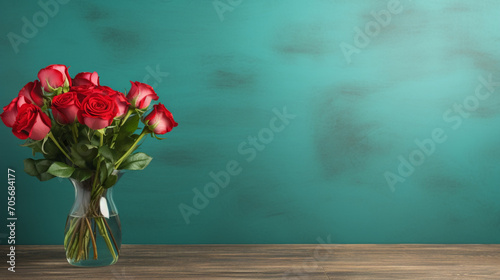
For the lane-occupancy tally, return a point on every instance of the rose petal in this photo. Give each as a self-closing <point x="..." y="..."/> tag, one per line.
<point x="82" y="82"/>
<point x="10" y="113"/>
<point x="39" y="129"/>
<point x="52" y="78"/>
<point x="96" y="123"/>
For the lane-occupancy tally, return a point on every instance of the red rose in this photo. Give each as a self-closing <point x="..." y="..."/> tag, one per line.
<point x="53" y="77"/>
<point x="97" y="111"/>
<point x="86" y="79"/>
<point x="122" y="103"/>
<point x="64" y="107"/>
<point x="140" y="95"/>
<point x="31" y="122"/>
<point x="120" y="99"/>
<point x="160" y="120"/>
<point x="32" y="91"/>
<point x="10" y="111"/>
<point x="82" y="92"/>
<point x="105" y="90"/>
<point x="85" y="90"/>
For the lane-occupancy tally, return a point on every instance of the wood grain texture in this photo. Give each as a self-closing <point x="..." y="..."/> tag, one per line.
<point x="268" y="262"/>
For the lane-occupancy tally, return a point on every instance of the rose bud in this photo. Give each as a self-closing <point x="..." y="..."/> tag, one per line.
<point x="10" y="111"/>
<point x="32" y="91"/>
<point x="160" y="120"/>
<point x="64" y="107"/>
<point x="97" y="111"/>
<point x="53" y="77"/>
<point x="31" y="123"/>
<point x="140" y="95"/>
<point x="86" y="79"/>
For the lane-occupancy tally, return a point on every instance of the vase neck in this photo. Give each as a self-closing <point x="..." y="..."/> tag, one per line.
<point x="91" y="201"/>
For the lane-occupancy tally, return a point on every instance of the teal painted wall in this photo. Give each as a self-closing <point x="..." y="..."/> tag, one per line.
<point x="324" y="173"/>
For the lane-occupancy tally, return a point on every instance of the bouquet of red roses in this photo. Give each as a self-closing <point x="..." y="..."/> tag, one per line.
<point x="86" y="132"/>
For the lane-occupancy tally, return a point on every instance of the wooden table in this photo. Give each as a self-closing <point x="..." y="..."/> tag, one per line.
<point x="267" y="262"/>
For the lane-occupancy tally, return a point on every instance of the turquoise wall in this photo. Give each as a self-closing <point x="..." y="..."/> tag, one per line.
<point x="391" y="136"/>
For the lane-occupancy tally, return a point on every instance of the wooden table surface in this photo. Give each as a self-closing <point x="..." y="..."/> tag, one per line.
<point x="267" y="262"/>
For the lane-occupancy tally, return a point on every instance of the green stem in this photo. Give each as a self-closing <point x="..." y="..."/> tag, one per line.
<point x="121" y="123"/>
<point x="72" y="225"/>
<point x="113" y="141"/>
<point x="143" y="133"/>
<point x="101" y="139"/>
<point x="112" y="236"/>
<point x="79" y="251"/>
<point x="104" y="233"/>
<point x="129" y="112"/>
<point x="71" y="245"/>
<point x="96" y="193"/>
<point x="96" y="175"/>
<point x="116" y="131"/>
<point x="51" y="136"/>
<point x="92" y="237"/>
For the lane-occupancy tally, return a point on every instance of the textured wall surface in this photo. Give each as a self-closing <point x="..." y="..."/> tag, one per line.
<point x="392" y="134"/>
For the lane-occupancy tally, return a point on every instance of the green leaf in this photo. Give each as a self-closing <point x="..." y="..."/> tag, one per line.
<point x="89" y="146"/>
<point x="95" y="140"/>
<point x="110" y="181"/>
<point x="123" y="145"/>
<point x="83" y="153"/>
<point x="30" y="167"/>
<point x="106" y="169"/>
<point x="60" y="169"/>
<point x="82" y="174"/>
<point x="38" y="168"/>
<point x="83" y="132"/>
<point x="137" y="161"/>
<point x="42" y="165"/>
<point x="45" y="176"/>
<point x="52" y="151"/>
<point x="103" y="171"/>
<point x="107" y="153"/>
<point x="77" y="157"/>
<point x="110" y="166"/>
<point x="130" y="126"/>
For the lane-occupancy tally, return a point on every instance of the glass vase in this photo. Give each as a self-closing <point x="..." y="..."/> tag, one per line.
<point x="92" y="235"/>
